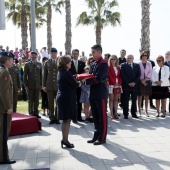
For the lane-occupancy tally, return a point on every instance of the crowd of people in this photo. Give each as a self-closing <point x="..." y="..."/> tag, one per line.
<point x="112" y="79"/>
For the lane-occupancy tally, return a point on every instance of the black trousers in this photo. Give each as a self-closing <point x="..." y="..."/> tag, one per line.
<point x="126" y="96"/>
<point x="99" y="107"/>
<point x="5" y="126"/>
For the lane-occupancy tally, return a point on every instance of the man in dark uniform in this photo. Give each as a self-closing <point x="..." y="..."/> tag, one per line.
<point x="6" y="61"/>
<point x="14" y="72"/>
<point x="122" y="60"/>
<point x="50" y="85"/>
<point x="77" y="67"/>
<point x="98" y="95"/>
<point x="33" y="83"/>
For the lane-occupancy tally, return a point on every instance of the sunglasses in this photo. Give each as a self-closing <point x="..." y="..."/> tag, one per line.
<point x="144" y="55"/>
<point x="159" y="61"/>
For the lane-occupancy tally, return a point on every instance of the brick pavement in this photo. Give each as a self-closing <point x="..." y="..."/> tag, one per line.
<point x="132" y="144"/>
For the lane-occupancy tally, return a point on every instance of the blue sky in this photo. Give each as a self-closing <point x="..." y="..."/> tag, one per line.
<point x="124" y="36"/>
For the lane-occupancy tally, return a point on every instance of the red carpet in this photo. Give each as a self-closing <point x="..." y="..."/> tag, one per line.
<point x="23" y="124"/>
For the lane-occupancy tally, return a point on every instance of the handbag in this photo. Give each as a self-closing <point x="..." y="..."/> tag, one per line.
<point x="117" y="90"/>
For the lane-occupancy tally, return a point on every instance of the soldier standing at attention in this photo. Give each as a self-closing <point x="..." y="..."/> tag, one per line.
<point x="50" y="84"/>
<point x="98" y="95"/>
<point x="14" y="72"/>
<point x="6" y="61"/>
<point x="33" y="83"/>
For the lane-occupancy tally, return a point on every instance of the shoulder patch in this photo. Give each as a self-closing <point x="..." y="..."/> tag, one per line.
<point x="5" y="77"/>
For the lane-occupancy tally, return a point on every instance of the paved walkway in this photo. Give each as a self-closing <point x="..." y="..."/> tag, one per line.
<point x="131" y="144"/>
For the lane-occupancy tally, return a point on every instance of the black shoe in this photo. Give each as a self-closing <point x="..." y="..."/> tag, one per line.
<point x="152" y="106"/>
<point x="57" y="122"/>
<point x="67" y="144"/>
<point x="74" y="121"/>
<point x="92" y="141"/>
<point x="52" y="122"/>
<point x="8" y="162"/>
<point x="121" y="106"/>
<point x="99" y="142"/>
<point x="135" y="116"/>
<point x="125" y="117"/>
<point x="80" y="120"/>
<point x="37" y="116"/>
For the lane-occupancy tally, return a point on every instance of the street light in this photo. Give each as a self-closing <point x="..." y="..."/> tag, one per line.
<point x="2" y="15"/>
<point x="33" y="31"/>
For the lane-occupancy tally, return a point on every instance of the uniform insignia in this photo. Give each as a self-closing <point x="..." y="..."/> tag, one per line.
<point x="5" y="77"/>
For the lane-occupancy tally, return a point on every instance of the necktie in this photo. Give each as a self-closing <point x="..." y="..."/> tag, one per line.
<point x="76" y="66"/>
<point x="159" y="74"/>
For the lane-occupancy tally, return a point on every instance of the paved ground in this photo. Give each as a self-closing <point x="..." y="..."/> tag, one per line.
<point x="131" y="144"/>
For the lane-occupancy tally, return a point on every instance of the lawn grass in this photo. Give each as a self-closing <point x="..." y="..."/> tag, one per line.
<point x="22" y="107"/>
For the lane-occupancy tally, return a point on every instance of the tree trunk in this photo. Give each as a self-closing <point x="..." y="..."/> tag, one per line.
<point x="49" y="36"/>
<point x="30" y="34"/>
<point x="68" y="44"/>
<point x="98" y="34"/>
<point x="24" y="34"/>
<point x="145" y="23"/>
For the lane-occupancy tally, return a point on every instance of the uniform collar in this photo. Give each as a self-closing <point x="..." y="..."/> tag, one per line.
<point x="100" y="58"/>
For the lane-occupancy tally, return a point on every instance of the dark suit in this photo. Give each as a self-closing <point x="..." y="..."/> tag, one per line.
<point x="81" y="66"/>
<point x="167" y="64"/>
<point x="130" y="75"/>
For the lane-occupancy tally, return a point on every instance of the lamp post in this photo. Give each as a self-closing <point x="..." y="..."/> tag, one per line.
<point x="2" y="15"/>
<point x="33" y="31"/>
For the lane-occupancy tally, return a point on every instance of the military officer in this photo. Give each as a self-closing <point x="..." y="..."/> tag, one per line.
<point x="50" y="84"/>
<point x="33" y="83"/>
<point x="6" y="61"/>
<point x="14" y="72"/>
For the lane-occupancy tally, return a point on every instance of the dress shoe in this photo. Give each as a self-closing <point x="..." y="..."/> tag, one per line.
<point x="67" y="144"/>
<point x="74" y="121"/>
<point x="92" y="141"/>
<point x="125" y="117"/>
<point x="135" y="116"/>
<point x="99" y="142"/>
<point x="57" y="122"/>
<point x="38" y="116"/>
<point x="52" y="122"/>
<point x="8" y="162"/>
<point x="80" y="120"/>
<point x="152" y="106"/>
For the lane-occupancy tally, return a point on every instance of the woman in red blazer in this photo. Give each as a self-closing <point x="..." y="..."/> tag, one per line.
<point x="115" y="81"/>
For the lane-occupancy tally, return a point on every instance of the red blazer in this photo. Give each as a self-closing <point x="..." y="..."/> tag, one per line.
<point x="112" y="76"/>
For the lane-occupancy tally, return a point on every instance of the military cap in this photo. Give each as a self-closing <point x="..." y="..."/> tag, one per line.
<point x="33" y="52"/>
<point x="53" y="50"/>
<point x="7" y="54"/>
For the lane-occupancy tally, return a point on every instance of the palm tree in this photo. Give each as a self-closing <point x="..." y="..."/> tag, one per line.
<point x="49" y="5"/>
<point x="145" y="23"/>
<point x="19" y="13"/>
<point x="101" y="14"/>
<point x="68" y="45"/>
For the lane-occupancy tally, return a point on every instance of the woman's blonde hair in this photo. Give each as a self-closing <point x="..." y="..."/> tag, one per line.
<point x="113" y="57"/>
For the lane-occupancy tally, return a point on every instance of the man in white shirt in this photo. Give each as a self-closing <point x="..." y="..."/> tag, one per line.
<point x="44" y="52"/>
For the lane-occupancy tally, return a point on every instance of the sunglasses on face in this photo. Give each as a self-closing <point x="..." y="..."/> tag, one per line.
<point x="158" y="61"/>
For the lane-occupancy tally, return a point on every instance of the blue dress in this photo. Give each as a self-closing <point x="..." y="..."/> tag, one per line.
<point x="66" y="96"/>
<point x="85" y="91"/>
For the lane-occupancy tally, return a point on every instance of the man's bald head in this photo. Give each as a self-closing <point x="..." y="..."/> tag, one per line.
<point x="130" y="58"/>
